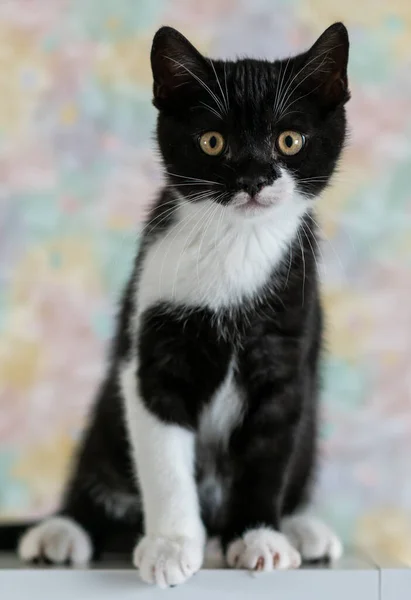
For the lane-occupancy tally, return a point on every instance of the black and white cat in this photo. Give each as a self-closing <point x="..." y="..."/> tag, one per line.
<point x="206" y="423"/>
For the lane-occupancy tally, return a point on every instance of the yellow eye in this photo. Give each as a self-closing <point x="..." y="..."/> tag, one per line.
<point x="290" y="142"/>
<point x="212" y="143"/>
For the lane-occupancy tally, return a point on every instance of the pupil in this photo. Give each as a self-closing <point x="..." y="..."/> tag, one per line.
<point x="288" y="141"/>
<point x="213" y="141"/>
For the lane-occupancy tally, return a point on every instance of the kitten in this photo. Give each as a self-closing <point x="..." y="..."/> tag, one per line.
<point x="206" y="423"/>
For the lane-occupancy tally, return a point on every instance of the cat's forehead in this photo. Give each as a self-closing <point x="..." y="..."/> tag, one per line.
<point x="260" y="95"/>
<point x="248" y="88"/>
<point x="251" y="80"/>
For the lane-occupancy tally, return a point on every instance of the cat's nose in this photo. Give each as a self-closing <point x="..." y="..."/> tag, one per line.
<point x="252" y="185"/>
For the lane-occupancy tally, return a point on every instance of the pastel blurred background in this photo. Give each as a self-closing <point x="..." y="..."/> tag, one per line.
<point x="77" y="169"/>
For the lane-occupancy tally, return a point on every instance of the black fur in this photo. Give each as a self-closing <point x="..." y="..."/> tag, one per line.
<point x="184" y="354"/>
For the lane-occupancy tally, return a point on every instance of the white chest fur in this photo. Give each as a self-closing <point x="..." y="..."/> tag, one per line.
<point x="215" y="258"/>
<point x="217" y="421"/>
<point x="222" y="414"/>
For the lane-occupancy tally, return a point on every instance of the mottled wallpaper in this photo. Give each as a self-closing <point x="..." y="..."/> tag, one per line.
<point x="77" y="170"/>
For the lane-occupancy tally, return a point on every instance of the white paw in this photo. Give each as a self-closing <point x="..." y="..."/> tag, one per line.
<point x="57" y="539"/>
<point x="313" y="538"/>
<point x="168" y="561"/>
<point x="262" y="550"/>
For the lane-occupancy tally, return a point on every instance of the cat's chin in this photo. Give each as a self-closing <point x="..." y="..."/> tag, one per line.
<point x="247" y="206"/>
<point x="253" y="208"/>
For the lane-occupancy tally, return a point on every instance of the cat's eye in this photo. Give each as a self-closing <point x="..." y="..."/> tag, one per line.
<point x="290" y="142"/>
<point x="212" y="143"/>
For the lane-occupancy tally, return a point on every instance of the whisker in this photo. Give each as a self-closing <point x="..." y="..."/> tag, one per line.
<point x="286" y="90"/>
<point x="217" y="240"/>
<point x="198" y="196"/>
<point x="219" y="85"/>
<point x="206" y="227"/>
<point x="317" y="244"/>
<point x="289" y="267"/>
<point x="282" y="114"/>
<point x="187" y="243"/>
<point x="327" y="239"/>
<point x="211" y="109"/>
<point x="163" y="216"/>
<point x="280" y="87"/>
<point x="226" y="88"/>
<point x="287" y="93"/>
<point x="192" y="183"/>
<point x="224" y="208"/>
<point x="193" y="178"/>
<point x="180" y="226"/>
<point x="200" y="81"/>
<point x="341" y="218"/>
<point x="316" y="178"/>
<point x="312" y="251"/>
<point x="291" y="112"/>
<point x="333" y="176"/>
<point x="173" y="202"/>
<point x="285" y="105"/>
<point x="303" y="257"/>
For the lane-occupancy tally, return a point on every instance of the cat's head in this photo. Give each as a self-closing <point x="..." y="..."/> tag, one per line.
<point x="249" y="134"/>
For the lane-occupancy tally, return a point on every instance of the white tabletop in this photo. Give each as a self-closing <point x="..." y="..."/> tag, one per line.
<point x="353" y="578"/>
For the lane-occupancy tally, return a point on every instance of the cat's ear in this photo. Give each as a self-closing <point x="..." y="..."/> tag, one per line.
<point x="326" y="66"/>
<point x="177" y="66"/>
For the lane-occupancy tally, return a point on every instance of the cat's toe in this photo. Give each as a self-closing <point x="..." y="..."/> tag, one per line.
<point x="57" y="540"/>
<point x="262" y="550"/>
<point x="313" y="538"/>
<point x="167" y="561"/>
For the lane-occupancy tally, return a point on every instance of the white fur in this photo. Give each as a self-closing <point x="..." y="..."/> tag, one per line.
<point x="168" y="560"/>
<point x="164" y="459"/>
<point x="223" y="413"/>
<point x="217" y="256"/>
<point x="212" y="257"/>
<point x="217" y="421"/>
<point x="263" y="550"/>
<point x="59" y="539"/>
<point x="313" y="538"/>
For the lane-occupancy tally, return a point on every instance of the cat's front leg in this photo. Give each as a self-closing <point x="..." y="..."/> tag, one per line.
<point x="172" y="548"/>
<point x="264" y="448"/>
<point x="253" y="539"/>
